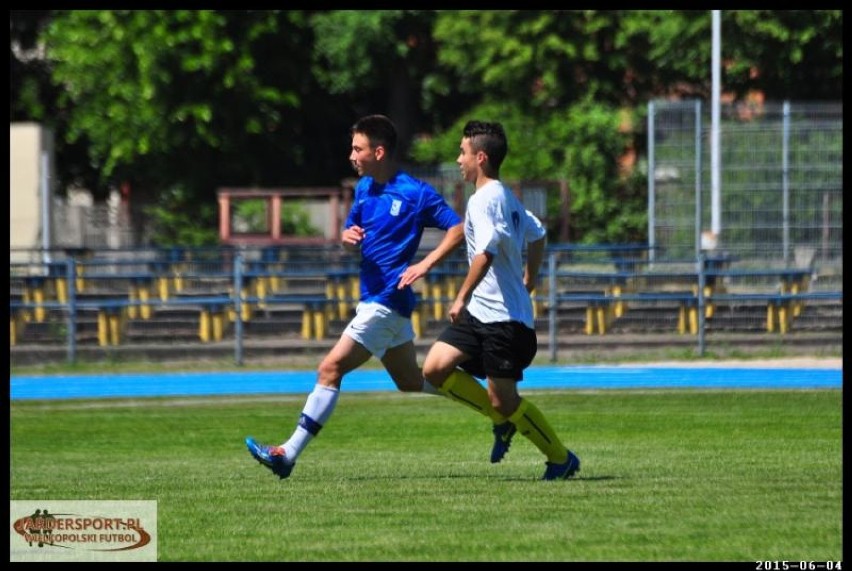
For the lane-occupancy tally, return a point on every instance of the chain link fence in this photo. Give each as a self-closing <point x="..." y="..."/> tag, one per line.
<point x="781" y="181"/>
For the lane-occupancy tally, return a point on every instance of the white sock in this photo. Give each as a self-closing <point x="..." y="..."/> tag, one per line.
<point x="318" y="408"/>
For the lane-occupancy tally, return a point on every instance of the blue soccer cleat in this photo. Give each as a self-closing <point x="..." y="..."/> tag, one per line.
<point x="503" y="434"/>
<point x="562" y="471"/>
<point x="273" y="457"/>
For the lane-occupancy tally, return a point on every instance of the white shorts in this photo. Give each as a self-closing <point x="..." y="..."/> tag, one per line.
<point x="379" y="328"/>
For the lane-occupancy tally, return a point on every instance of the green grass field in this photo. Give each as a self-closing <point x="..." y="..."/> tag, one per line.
<point x="690" y="475"/>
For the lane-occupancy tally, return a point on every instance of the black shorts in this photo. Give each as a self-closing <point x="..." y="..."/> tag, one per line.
<point x="502" y="349"/>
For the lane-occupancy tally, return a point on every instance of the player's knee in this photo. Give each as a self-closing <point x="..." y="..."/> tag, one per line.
<point x="434" y="375"/>
<point x="506" y="403"/>
<point x="329" y="373"/>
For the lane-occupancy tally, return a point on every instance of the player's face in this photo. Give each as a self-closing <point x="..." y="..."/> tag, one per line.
<point x="467" y="161"/>
<point x="364" y="157"/>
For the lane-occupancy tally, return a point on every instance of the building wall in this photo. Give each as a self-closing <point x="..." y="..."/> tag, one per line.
<point x="27" y="141"/>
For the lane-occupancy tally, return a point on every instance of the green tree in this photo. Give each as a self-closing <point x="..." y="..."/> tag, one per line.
<point x="382" y="54"/>
<point x="788" y="54"/>
<point x="29" y="77"/>
<point x="196" y="100"/>
<point x="551" y="65"/>
<point x="555" y="91"/>
<point x="581" y="144"/>
<point x="154" y="91"/>
<point x="175" y="220"/>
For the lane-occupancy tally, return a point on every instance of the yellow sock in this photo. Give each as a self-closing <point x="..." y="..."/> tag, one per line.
<point x="462" y="387"/>
<point x="532" y="424"/>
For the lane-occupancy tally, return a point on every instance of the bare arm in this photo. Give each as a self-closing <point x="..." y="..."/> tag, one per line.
<point x="535" y="255"/>
<point x="450" y="242"/>
<point x="479" y="266"/>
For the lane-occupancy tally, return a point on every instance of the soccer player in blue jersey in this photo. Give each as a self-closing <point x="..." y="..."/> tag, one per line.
<point x="390" y="210"/>
<point x="491" y="333"/>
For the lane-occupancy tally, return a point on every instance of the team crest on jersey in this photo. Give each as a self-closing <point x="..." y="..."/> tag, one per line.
<point x="395" y="206"/>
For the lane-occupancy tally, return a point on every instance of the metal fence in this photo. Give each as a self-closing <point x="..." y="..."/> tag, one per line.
<point x="146" y="302"/>
<point x="781" y="180"/>
<point x="777" y="270"/>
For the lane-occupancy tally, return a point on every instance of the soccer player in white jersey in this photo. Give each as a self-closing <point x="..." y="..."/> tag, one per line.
<point x="491" y="333"/>
<point x="390" y="210"/>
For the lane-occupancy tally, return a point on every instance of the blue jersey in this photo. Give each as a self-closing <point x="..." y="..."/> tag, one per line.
<point x="393" y="216"/>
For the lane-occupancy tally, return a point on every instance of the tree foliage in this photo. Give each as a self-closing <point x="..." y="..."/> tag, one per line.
<point x="152" y="88"/>
<point x="578" y="77"/>
<point x="383" y="54"/>
<point x="198" y="99"/>
<point x="788" y="54"/>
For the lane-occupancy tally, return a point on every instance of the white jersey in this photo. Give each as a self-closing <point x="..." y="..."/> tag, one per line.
<point x="497" y="222"/>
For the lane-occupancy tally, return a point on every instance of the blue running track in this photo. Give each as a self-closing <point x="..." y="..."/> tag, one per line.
<point x="301" y="382"/>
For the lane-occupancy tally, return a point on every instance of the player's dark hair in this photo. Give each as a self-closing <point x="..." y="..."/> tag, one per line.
<point x="379" y="130"/>
<point x="489" y="138"/>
